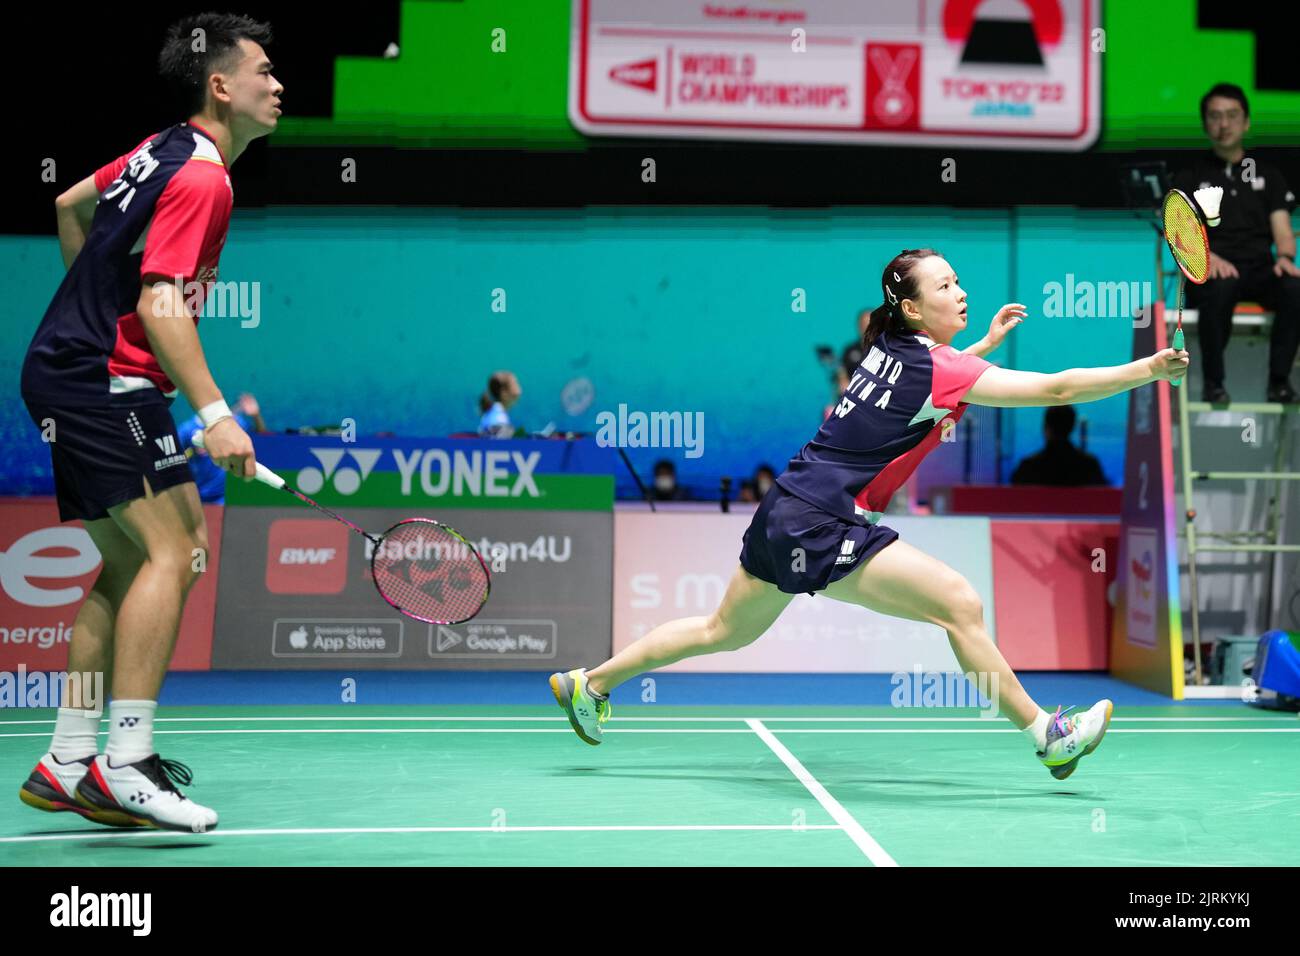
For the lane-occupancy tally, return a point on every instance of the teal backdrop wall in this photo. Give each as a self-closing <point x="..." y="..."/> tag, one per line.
<point x="386" y="316"/>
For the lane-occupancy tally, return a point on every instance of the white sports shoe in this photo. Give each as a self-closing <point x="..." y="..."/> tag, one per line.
<point x="1070" y="738"/>
<point x="145" y="791"/>
<point x="52" y="786"/>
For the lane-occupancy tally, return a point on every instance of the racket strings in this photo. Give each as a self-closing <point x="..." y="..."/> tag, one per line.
<point x="1186" y="237"/>
<point x="429" y="572"/>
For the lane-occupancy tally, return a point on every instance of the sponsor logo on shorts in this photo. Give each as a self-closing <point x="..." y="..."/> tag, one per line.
<point x="167" y="445"/>
<point x="846" y="552"/>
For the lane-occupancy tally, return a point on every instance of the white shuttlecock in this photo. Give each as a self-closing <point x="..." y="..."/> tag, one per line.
<point x="1208" y="199"/>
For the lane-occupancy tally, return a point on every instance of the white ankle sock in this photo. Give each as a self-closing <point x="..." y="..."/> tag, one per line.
<point x="76" y="734"/>
<point x="130" y="731"/>
<point x="1037" y="731"/>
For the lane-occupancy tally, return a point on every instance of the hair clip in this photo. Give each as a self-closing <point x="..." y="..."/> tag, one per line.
<point x="889" y="294"/>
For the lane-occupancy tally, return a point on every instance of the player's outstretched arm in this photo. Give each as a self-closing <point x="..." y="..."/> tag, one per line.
<point x="1008" y="388"/>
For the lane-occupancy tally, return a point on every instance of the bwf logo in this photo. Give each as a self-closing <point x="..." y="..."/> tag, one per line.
<point x="306" y="556"/>
<point x="74" y="908"/>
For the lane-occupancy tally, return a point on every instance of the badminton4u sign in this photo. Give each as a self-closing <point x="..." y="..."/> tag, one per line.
<point x="1009" y="73"/>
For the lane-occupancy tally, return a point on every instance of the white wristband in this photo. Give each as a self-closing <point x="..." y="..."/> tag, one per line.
<point x="215" y="412"/>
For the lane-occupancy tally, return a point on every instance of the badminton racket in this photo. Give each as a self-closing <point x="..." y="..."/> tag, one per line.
<point x="1185" y="234"/>
<point x="421" y="567"/>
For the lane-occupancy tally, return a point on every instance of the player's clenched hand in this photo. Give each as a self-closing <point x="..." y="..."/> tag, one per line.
<point x="1169" y="364"/>
<point x="230" y="447"/>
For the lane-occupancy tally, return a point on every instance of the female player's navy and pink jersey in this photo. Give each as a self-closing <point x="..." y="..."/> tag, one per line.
<point x="163" y="211"/>
<point x="90" y="379"/>
<point x="821" y="520"/>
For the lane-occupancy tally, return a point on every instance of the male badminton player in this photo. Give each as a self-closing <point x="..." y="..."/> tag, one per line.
<point x="818" y="530"/>
<point x="141" y="239"/>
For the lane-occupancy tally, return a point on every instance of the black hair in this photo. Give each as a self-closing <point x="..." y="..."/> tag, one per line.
<point x="899" y="281"/>
<point x="665" y="464"/>
<point x="1059" y="421"/>
<point x="1232" y="91"/>
<point x="216" y="36"/>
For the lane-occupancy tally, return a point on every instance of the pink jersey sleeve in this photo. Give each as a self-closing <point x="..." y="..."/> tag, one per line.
<point x="106" y="174"/>
<point x="189" y="222"/>
<point x="954" y="373"/>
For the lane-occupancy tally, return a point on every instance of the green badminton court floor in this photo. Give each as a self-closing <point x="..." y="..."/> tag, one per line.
<point x="786" y="786"/>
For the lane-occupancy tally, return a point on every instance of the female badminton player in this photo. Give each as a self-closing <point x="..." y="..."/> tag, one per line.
<point x="818" y="530"/>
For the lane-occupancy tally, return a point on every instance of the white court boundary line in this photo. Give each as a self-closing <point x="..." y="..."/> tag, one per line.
<point x="682" y="730"/>
<point x="873" y="850"/>
<point x="322" y="831"/>
<point x="561" y="719"/>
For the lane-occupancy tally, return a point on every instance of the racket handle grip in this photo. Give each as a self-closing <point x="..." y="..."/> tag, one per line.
<point x="265" y="475"/>
<point x="1177" y="345"/>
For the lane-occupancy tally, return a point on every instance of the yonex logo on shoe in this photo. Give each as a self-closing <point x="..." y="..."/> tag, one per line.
<point x="128" y="721"/>
<point x="74" y="908"/>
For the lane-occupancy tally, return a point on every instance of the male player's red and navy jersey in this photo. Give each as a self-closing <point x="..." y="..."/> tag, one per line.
<point x="163" y="210"/>
<point x="888" y="419"/>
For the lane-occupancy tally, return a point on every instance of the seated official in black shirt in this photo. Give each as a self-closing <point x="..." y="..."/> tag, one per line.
<point x="1059" y="463"/>
<point x="1256" y="213"/>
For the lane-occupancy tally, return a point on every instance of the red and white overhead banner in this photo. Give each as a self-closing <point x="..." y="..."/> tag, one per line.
<point x="1015" y="74"/>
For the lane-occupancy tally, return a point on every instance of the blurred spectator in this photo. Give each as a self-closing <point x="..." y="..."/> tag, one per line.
<point x="850" y="359"/>
<point x="210" y="479"/>
<point x="666" y="487"/>
<point x="503" y="391"/>
<point x="1060" y="462"/>
<point x="753" y="489"/>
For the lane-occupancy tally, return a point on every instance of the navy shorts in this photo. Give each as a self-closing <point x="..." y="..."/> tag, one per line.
<point x="800" y="548"/>
<point x="104" y="455"/>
